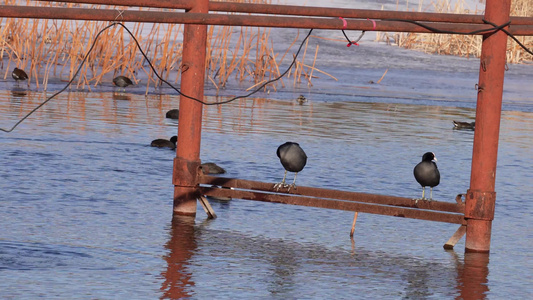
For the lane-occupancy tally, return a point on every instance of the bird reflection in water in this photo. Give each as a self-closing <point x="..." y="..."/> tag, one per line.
<point x="121" y="96"/>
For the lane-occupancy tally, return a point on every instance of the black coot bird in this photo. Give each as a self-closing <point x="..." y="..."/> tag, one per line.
<point x="427" y="173"/>
<point x="173" y="114"/>
<point x="18" y="75"/>
<point x="212" y="168"/>
<point x="293" y="159"/>
<point x="464" y="125"/>
<point x="122" y="81"/>
<point x="162" y="143"/>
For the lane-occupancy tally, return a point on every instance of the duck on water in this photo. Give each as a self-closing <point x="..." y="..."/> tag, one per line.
<point x="163" y="143"/>
<point x="464" y="125"/>
<point x="207" y="168"/>
<point x="173" y="114"/>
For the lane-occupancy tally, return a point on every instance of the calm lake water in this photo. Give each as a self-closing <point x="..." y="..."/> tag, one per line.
<point x="86" y="203"/>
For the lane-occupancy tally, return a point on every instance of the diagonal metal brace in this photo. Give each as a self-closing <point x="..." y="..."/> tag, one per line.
<point x="456" y="237"/>
<point x="207" y="207"/>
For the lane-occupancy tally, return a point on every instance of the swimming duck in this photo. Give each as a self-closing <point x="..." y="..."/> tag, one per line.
<point x="162" y="143"/>
<point x="173" y="114"/>
<point x="212" y="168"/>
<point x="464" y="125"/>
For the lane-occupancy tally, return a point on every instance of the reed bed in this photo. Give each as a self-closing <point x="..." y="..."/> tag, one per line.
<point x="461" y="45"/>
<point x="53" y="49"/>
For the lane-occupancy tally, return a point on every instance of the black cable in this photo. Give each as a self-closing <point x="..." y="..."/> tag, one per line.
<point x="435" y="30"/>
<point x="350" y="42"/>
<point x="496" y="28"/>
<point x="66" y="86"/>
<point x="220" y="102"/>
<point x="511" y="36"/>
<point x="157" y="74"/>
<point x="432" y="29"/>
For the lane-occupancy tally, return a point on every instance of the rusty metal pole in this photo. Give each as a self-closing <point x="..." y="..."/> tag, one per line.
<point x="187" y="161"/>
<point x="481" y="197"/>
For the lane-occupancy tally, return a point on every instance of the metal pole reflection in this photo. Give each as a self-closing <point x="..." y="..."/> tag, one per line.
<point x="472" y="276"/>
<point x="182" y="244"/>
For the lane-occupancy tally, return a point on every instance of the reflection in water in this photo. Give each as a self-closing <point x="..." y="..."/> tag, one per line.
<point x="182" y="244"/>
<point x="292" y="270"/>
<point x="80" y="171"/>
<point x="417" y="281"/>
<point x="472" y="276"/>
<point x="18" y="92"/>
<point x="121" y="96"/>
<point x="285" y="264"/>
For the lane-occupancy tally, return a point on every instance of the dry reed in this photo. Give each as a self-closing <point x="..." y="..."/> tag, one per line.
<point x="461" y="45"/>
<point x="55" y="49"/>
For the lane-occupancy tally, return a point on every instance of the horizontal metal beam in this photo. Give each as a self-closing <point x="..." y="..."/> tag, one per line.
<point x="333" y="199"/>
<point x="306" y="11"/>
<point x="175" y="4"/>
<point x="333" y="194"/>
<point x="237" y="20"/>
<point x="336" y="204"/>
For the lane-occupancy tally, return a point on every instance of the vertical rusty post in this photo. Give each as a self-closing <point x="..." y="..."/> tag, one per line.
<point x="481" y="197"/>
<point x="187" y="158"/>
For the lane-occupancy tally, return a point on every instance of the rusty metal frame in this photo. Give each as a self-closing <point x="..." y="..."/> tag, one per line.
<point x="187" y="161"/>
<point x="248" y="20"/>
<point x="481" y="197"/>
<point x="253" y="8"/>
<point x="333" y="199"/>
<point x="190" y="184"/>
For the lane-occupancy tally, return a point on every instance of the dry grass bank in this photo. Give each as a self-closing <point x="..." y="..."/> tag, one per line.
<point x="55" y="48"/>
<point x="461" y="45"/>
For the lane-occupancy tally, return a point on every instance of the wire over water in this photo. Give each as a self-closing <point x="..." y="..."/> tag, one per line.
<point x="157" y="75"/>
<point x="435" y="30"/>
